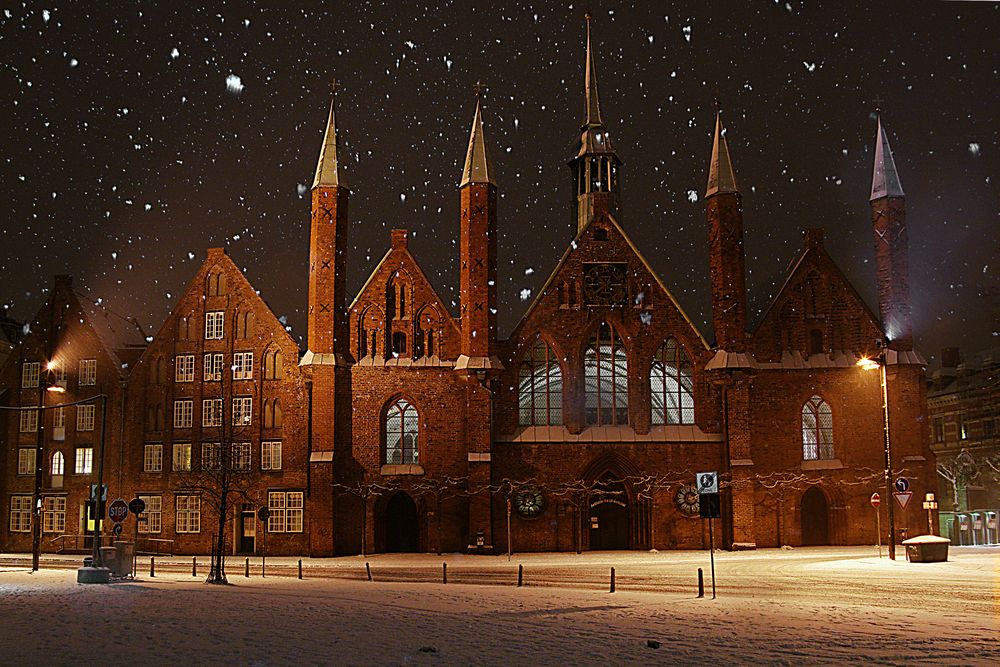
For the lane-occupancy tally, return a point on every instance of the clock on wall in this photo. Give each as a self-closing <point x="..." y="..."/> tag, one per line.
<point x="605" y="284"/>
<point x="687" y="500"/>
<point x="529" y="502"/>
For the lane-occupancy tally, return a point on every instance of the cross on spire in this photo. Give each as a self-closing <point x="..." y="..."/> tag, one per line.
<point x="333" y="85"/>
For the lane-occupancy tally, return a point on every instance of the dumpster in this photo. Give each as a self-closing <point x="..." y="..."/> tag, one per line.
<point x="927" y="549"/>
<point x="124" y="556"/>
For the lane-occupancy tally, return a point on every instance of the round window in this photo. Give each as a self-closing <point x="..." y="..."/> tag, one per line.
<point x="529" y="502"/>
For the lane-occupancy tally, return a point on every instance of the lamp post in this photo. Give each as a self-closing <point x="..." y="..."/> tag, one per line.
<point x="44" y="386"/>
<point x="870" y="364"/>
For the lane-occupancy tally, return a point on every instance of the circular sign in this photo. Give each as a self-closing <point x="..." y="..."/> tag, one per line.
<point x="118" y="510"/>
<point x="137" y="506"/>
<point x="117" y="530"/>
<point x="263" y="513"/>
<point x="876" y="500"/>
<point x="902" y="484"/>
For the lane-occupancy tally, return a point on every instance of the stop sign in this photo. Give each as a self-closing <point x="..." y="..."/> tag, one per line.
<point x="118" y="510"/>
<point x="876" y="499"/>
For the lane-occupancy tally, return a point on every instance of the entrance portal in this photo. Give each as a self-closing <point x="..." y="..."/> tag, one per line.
<point x="248" y="529"/>
<point x="815" y="518"/>
<point x="402" y="531"/>
<point x="609" y="516"/>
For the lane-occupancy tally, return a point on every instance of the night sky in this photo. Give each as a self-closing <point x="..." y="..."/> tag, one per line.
<point x="137" y="136"/>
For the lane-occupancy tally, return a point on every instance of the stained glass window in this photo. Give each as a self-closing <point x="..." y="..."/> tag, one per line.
<point x="401" y="434"/>
<point x="606" y="378"/>
<point x="540" y="384"/>
<point x="671" y="384"/>
<point x="817" y="430"/>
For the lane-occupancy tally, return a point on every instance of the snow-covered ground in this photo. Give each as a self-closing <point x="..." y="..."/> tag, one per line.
<point x="787" y="607"/>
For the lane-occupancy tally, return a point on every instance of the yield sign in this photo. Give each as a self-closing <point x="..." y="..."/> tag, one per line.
<point x="903" y="498"/>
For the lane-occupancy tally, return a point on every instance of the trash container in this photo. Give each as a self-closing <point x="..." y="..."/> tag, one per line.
<point x="927" y="549"/>
<point x="108" y="559"/>
<point x="124" y="555"/>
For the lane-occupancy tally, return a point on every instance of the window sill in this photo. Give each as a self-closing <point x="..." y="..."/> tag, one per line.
<point x="822" y="464"/>
<point x="409" y="469"/>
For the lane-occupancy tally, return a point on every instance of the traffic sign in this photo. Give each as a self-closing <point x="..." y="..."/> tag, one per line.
<point x="118" y="510"/>
<point x="708" y="482"/>
<point x="903" y="498"/>
<point x="709" y="506"/>
<point x="263" y="513"/>
<point x="117" y="529"/>
<point x="104" y="492"/>
<point x="876" y="500"/>
<point x="902" y="484"/>
<point x="137" y="506"/>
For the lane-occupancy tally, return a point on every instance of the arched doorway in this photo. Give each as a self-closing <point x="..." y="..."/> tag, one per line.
<point x="402" y="530"/>
<point x="815" y="518"/>
<point x="609" y="515"/>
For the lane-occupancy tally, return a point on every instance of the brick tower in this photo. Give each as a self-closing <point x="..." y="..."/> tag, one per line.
<point x="478" y="359"/>
<point x="327" y="362"/>
<point x="596" y="167"/>
<point x="725" y="245"/>
<point x="889" y="224"/>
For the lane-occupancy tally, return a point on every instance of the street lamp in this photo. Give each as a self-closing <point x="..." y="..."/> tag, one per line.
<point x="870" y="364"/>
<point x="45" y="385"/>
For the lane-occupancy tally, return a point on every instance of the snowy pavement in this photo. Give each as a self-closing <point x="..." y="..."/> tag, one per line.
<point x="820" y="605"/>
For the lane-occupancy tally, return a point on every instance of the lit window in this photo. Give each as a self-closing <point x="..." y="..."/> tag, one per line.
<point x="671" y="385"/>
<point x="962" y="427"/>
<point x="213" y="367"/>
<point x="540" y="387"/>
<point x="285" y="511"/>
<point x="242" y="410"/>
<point x="84" y="461"/>
<point x="88" y="372"/>
<point x="241" y="455"/>
<point x="59" y="418"/>
<point x="29" y="374"/>
<point x="54" y="514"/>
<point x="184" y="368"/>
<point x="183" y="413"/>
<point x="211" y="456"/>
<point x="401" y="434"/>
<point x="270" y="455"/>
<point x="26" y="461"/>
<point x="182" y="456"/>
<point x="817" y="430"/>
<point x="211" y="412"/>
<point x="58" y="465"/>
<point x="20" y="514"/>
<point x="606" y="379"/>
<point x="214" y="325"/>
<point x="188" y="514"/>
<point x="152" y="458"/>
<point x="151" y="519"/>
<point x="29" y="419"/>
<point x="243" y="366"/>
<point x="85" y="417"/>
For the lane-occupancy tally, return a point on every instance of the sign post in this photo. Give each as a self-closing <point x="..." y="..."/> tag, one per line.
<point x="876" y="501"/>
<point x="263" y="514"/>
<point x="930" y="504"/>
<point x="709" y="508"/>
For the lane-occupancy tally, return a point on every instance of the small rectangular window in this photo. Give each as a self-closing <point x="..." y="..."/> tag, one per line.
<point x="151" y="519"/>
<point x="20" y="514"/>
<point x="152" y="460"/>
<point x="184" y="368"/>
<point x="59" y="418"/>
<point x="938" y="429"/>
<point x="54" y="514"/>
<point x="88" y="372"/>
<point x="286" y="511"/>
<point x="243" y="366"/>
<point x="29" y="374"/>
<point x="26" y="461"/>
<point x="270" y="455"/>
<point x="214" y="325"/>
<point x="188" y="514"/>
<point x="84" y="461"/>
<point x="211" y="412"/>
<point x="213" y="367"/>
<point x="183" y="413"/>
<point x="242" y="410"/>
<point x="182" y="456"/>
<point x="211" y="455"/>
<point x="85" y="417"/>
<point x="241" y="455"/>
<point x="29" y="419"/>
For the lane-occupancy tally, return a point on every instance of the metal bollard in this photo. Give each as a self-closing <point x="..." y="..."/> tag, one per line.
<point x="246" y="569"/>
<point x="444" y="573"/>
<point x="300" y="568"/>
<point x="612" y="580"/>
<point x="194" y="566"/>
<point x="152" y="567"/>
<point x="701" y="583"/>
<point x="520" y="575"/>
<point x="368" y="569"/>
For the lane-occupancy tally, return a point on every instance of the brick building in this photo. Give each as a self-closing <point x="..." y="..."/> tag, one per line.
<point x="407" y="427"/>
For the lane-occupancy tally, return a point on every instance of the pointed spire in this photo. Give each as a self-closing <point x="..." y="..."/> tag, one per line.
<point x="593" y="104"/>
<point x="329" y="171"/>
<point x="885" y="178"/>
<point x="478" y="167"/>
<point x="721" y="179"/>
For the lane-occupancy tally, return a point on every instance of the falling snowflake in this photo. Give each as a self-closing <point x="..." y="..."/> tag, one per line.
<point x="234" y="84"/>
<point x="692" y="196"/>
<point x="974" y="148"/>
<point x="525" y="294"/>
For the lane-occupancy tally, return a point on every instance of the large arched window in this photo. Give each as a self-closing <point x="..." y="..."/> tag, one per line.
<point x="671" y="385"/>
<point x="817" y="430"/>
<point x="539" y="388"/>
<point x="402" y="427"/>
<point x="605" y="369"/>
<point x="57" y="470"/>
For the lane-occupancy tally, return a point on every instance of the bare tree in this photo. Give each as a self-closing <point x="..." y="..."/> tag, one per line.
<point x="959" y="470"/>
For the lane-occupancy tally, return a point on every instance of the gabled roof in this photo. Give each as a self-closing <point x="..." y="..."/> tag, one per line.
<point x="573" y="247"/>
<point x="119" y="335"/>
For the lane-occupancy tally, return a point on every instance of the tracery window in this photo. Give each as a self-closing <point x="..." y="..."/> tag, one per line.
<point x="540" y="387"/>
<point x="605" y="368"/>
<point x="402" y="429"/>
<point x="817" y="430"/>
<point x="671" y="384"/>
